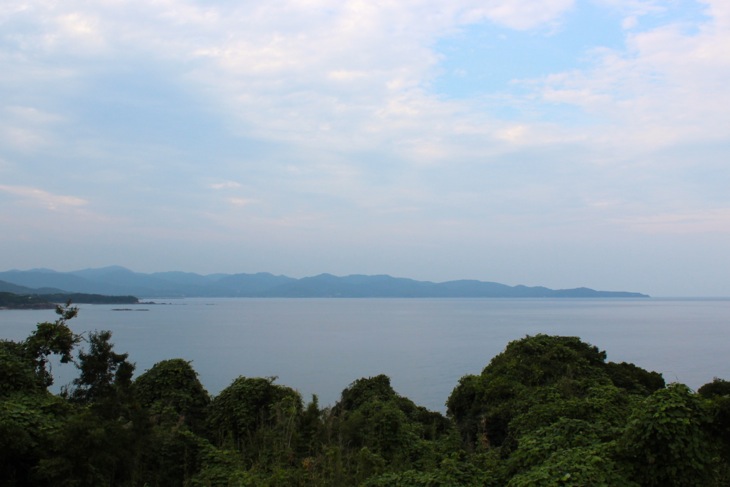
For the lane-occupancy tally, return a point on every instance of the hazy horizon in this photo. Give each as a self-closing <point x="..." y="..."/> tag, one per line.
<point x="556" y="143"/>
<point x="223" y="273"/>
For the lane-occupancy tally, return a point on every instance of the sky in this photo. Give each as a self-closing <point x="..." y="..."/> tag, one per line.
<point x="561" y="143"/>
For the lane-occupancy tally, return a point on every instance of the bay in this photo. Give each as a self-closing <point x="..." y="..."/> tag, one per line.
<point x="320" y="346"/>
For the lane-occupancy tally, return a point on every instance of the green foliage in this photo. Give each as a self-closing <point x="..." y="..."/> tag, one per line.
<point x="542" y="360"/>
<point x="222" y="468"/>
<point x="23" y="301"/>
<point x="373" y="430"/>
<point x="28" y="424"/>
<point x="484" y="406"/>
<point x="258" y="418"/>
<point x="720" y="433"/>
<point x="105" y="376"/>
<point x="466" y="408"/>
<point x="537" y="445"/>
<point x="171" y="457"/>
<point x="409" y="478"/>
<point x="568" y="452"/>
<point x="17" y="370"/>
<point x="599" y="403"/>
<point x="30" y="417"/>
<point x="577" y="467"/>
<point x="717" y="393"/>
<point x="454" y="470"/>
<point x="634" y="379"/>
<point x="716" y="388"/>
<point x="667" y="441"/>
<point x="89" y="445"/>
<point x="547" y="411"/>
<point x="44" y="301"/>
<point x="172" y="393"/>
<point x="362" y="391"/>
<point x="52" y="338"/>
<point x="371" y="414"/>
<point x="90" y="450"/>
<point x="89" y="298"/>
<point x="543" y="377"/>
<point x="311" y="430"/>
<point x="381" y="427"/>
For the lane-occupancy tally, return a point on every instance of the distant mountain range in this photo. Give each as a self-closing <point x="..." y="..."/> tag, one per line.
<point x="117" y="280"/>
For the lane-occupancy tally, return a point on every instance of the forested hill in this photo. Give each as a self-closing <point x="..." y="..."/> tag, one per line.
<point x="120" y="281"/>
<point x="31" y="300"/>
<point x="14" y="296"/>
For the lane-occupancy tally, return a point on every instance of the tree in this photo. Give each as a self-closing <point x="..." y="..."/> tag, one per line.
<point x="29" y="422"/>
<point x="375" y="427"/>
<point x="258" y="418"/>
<point x="172" y="393"/>
<point x="717" y="393"/>
<point x="30" y="416"/>
<point x="52" y="338"/>
<point x="667" y="441"/>
<point x="526" y="375"/>
<point x="634" y="379"/>
<point x="18" y="370"/>
<point x="105" y="376"/>
<point x="717" y="388"/>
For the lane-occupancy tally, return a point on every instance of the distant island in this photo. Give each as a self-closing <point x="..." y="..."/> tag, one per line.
<point x="123" y="283"/>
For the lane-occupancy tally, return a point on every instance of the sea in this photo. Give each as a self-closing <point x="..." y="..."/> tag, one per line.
<point x="320" y="346"/>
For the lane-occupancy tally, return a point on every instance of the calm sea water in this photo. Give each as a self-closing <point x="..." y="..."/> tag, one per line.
<point x="320" y="346"/>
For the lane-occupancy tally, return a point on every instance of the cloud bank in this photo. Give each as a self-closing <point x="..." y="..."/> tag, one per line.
<point x="308" y="136"/>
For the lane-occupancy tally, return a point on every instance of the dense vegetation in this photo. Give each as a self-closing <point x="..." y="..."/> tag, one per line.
<point x="46" y="301"/>
<point x="27" y="301"/>
<point x="547" y="411"/>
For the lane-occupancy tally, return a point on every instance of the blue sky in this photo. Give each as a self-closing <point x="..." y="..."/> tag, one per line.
<point x="561" y="143"/>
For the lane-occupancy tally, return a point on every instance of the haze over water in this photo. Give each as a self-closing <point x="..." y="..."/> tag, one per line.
<point x="320" y="346"/>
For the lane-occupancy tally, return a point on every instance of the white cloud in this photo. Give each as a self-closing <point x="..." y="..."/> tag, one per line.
<point x="288" y="69"/>
<point x="33" y="114"/>
<point x="318" y="73"/>
<point x="354" y="75"/>
<point x="82" y="30"/>
<point x="520" y="14"/>
<point x="711" y="221"/>
<point x="26" y="128"/>
<point x="240" y="201"/>
<point x="333" y="106"/>
<point x="635" y="7"/>
<point x="38" y="196"/>
<point x="21" y="138"/>
<point x="225" y="185"/>
<point x="668" y="88"/>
